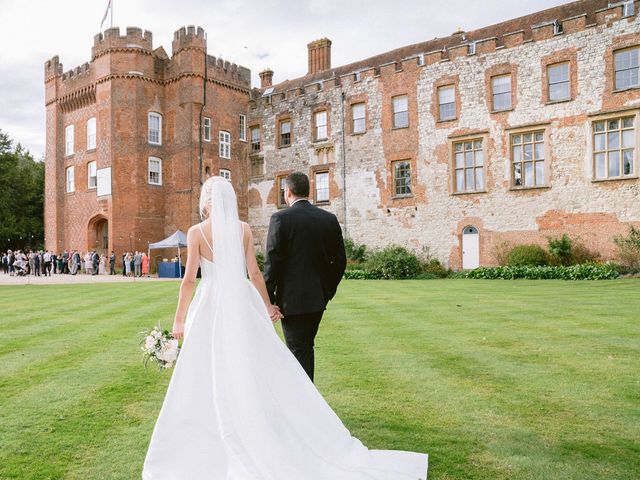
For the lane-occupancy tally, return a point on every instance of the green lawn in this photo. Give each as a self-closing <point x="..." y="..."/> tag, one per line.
<point x="494" y="379"/>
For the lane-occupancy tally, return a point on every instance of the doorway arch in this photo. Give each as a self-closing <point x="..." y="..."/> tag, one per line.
<point x="98" y="234"/>
<point x="470" y="248"/>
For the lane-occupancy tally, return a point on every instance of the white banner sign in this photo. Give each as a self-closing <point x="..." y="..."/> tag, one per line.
<point x="104" y="181"/>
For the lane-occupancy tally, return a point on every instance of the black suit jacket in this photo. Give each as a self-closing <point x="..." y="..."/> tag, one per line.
<point x="305" y="258"/>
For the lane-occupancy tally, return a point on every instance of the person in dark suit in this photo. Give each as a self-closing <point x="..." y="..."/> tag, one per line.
<point x="112" y="263"/>
<point x="95" y="261"/>
<point x="305" y="261"/>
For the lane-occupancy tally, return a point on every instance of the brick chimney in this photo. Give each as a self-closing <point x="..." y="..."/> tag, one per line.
<point x="319" y="55"/>
<point x="266" y="78"/>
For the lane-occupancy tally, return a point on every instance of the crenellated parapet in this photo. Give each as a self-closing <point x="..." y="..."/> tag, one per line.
<point x="52" y="68"/>
<point x="187" y="38"/>
<point x="225" y="71"/>
<point x="111" y="39"/>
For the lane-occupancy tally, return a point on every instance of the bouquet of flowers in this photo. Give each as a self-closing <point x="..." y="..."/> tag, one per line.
<point x="159" y="346"/>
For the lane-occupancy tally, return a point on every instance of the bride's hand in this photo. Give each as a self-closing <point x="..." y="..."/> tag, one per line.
<point x="274" y="313"/>
<point x="178" y="330"/>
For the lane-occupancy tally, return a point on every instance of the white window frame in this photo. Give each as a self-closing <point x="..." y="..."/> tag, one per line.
<point x="255" y="142"/>
<point x="157" y="161"/>
<point x="550" y="83"/>
<point x="608" y="147"/>
<point x="626" y="69"/>
<point x="91" y="133"/>
<point x="528" y="154"/>
<point x="70" y="179"/>
<point x="92" y="173"/>
<point x="68" y="140"/>
<point x="402" y="185"/>
<point x="225" y="173"/>
<point x="151" y="133"/>
<point x="325" y="187"/>
<point x="400" y="117"/>
<point x="494" y="94"/>
<point x="468" y="164"/>
<point x="360" y="120"/>
<point x="206" y="129"/>
<point x="445" y="106"/>
<point x="243" y="128"/>
<point x="321" y="129"/>
<point x="224" y="147"/>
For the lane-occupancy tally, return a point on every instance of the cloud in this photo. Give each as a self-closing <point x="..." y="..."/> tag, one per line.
<point x="256" y="34"/>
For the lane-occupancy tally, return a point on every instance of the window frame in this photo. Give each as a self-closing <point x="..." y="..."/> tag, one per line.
<point x="620" y="116"/>
<point x="91" y="134"/>
<point x="69" y="140"/>
<point x="394" y="179"/>
<point x="315" y="187"/>
<point x="253" y="143"/>
<point x="224" y="144"/>
<point x="493" y="94"/>
<point x="317" y="126"/>
<point x="395" y="113"/>
<point x="615" y="71"/>
<point x="482" y="138"/>
<point x="567" y="82"/>
<point x="157" y="115"/>
<point x="89" y="176"/>
<point x="70" y="179"/>
<point x="206" y="129"/>
<point x="151" y="160"/>
<point x="454" y="116"/>
<point x="363" y="118"/>
<point x="242" y="134"/>
<point x="280" y="200"/>
<point x="532" y="130"/>
<point x="282" y="121"/>
<point x="225" y="173"/>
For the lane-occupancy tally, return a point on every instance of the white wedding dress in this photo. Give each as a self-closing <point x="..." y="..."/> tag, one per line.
<point x="239" y="406"/>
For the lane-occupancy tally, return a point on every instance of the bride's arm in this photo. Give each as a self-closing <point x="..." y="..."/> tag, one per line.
<point x="188" y="283"/>
<point x="255" y="275"/>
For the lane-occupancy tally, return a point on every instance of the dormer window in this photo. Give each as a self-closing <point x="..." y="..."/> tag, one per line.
<point x="557" y="28"/>
<point x="471" y="48"/>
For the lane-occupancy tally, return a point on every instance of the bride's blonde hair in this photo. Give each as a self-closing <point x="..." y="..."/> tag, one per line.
<point x="205" y="195"/>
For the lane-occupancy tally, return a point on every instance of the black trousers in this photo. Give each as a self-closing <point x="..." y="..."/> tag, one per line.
<point x="299" y="333"/>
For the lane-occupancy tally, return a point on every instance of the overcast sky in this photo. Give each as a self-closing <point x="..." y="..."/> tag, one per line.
<point x="254" y="33"/>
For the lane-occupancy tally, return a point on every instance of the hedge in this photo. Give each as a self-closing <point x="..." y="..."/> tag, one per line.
<point x="587" y="271"/>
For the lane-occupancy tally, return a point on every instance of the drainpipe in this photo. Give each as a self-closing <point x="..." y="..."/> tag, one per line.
<point x="344" y="167"/>
<point x="204" y="101"/>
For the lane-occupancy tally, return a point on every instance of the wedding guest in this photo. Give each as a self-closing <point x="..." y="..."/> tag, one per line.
<point x="137" y="263"/>
<point x="131" y="263"/>
<point x="5" y="263"/>
<point x="112" y="263"/>
<point x="54" y="262"/>
<point x="124" y="264"/>
<point x="32" y="263"/>
<point x="60" y="267"/>
<point x="103" y="265"/>
<point x="65" y="262"/>
<point x="145" y="265"/>
<point x="88" y="266"/>
<point x="11" y="258"/>
<point x="128" y="263"/>
<point x="95" y="261"/>
<point x="46" y="258"/>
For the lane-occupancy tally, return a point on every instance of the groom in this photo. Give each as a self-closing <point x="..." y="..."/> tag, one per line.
<point x="305" y="262"/>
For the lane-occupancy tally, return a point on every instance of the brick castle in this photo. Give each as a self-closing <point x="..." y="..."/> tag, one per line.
<point x="510" y="133"/>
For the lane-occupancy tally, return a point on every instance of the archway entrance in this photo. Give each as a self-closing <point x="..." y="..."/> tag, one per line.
<point x="98" y="235"/>
<point x="470" y="248"/>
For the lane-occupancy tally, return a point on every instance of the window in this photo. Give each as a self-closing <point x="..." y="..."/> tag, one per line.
<point x="92" y="175"/>
<point x="471" y="48"/>
<point x="224" y="173"/>
<point x="285" y="133"/>
<point x="400" y="111"/>
<point x="242" y="135"/>
<point x="91" y="133"/>
<point x="469" y="166"/>
<point x="71" y="186"/>
<point x="155" y="128"/>
<point x="614" y="142"/>
<point x="626" y="68"/>
<point x="68" y="140"/>
<point x="358" y="118"/>
<point x="224" y="149"/>
<point x="558" y="78"/>
<point x="320" y="120"/>
<point x="527" y="159"/>
<point x="255" y="139"/>
<point x="356" y="77"/>
<point x="322" y="187"/>
<point x="447" y="102"/>
<point x="281" y="198"/>
<point x="155" y="171"/>
<point x="501" y="91"/>
<point x="401" y="178"/>
<point x="557" y="27"/>
<point x="207" y="171"/>
<point x="257" y="167"/>
<point x="206" y="129"/>
<point x="628" y="8"/>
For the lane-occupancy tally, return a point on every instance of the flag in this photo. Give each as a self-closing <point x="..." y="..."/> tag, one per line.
<point x="109" y="7"/>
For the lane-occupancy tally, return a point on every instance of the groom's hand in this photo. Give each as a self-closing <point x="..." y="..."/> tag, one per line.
<point x="274" y="313"/>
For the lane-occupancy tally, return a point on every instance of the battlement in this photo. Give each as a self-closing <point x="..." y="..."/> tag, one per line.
<point x="133" y="38"/>
<point x="52" y="68"/>
<point x="186" y="37"/>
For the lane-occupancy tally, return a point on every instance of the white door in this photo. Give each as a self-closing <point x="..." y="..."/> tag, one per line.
<point x="470" y="248"/>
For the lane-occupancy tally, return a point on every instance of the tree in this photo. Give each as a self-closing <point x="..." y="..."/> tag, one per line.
<point x="21" y="197"/>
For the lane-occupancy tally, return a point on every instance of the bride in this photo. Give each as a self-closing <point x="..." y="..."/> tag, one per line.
<point x="239" y="405"/>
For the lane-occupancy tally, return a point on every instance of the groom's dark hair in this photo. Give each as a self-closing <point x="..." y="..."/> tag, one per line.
<point x="298" y="184"/>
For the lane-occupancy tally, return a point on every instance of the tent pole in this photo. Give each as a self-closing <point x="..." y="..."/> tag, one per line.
<point x="179" y="263"/>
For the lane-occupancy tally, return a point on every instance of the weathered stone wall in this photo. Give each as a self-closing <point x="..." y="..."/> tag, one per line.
<point x="434" y="217"/>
